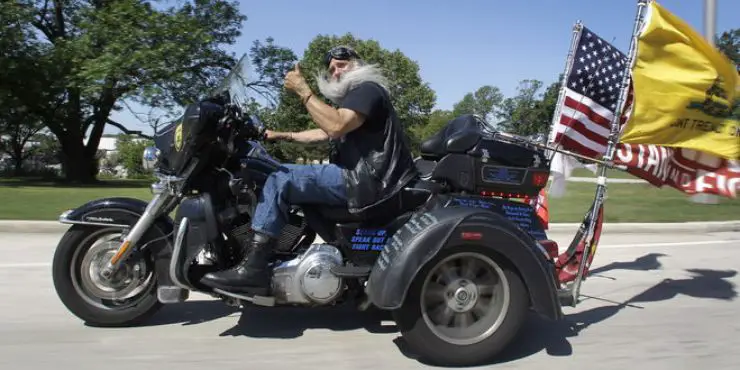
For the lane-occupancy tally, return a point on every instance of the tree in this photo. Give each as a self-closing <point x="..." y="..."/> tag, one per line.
<point x="93" y="54"/>
<point x="271" y="62"/>
<point x="20" y="98"/>
<point x="530" y="111"/>
<point x="129" y="150"/>
<point x="411" y="96"/>
<point x="437" y="119"/>
<point x="47" y="151"/>
<point x="17" y="135"/>
<point x="729" y="44"/>
<point x="483" y="102"/>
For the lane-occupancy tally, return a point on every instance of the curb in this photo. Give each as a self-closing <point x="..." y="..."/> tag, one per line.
<point x="610" y="180"/>
<point x="54" y="227"/>
<point x="33" y="227"/>
<point x="654" y="227"/>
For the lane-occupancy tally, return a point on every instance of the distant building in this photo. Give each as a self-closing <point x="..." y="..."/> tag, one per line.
<point x="108" y="147"/>
<point x="109" y="143"/>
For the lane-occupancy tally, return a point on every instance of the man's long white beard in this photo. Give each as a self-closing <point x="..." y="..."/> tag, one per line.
<point x="337" y="90"/>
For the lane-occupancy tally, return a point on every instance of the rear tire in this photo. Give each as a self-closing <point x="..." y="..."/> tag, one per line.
<point x="483" y="308"/>
<point x="128" y="300"/>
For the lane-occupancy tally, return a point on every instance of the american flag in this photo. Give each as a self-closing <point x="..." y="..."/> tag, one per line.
<point x="592" y="89"/>
<point x="591" y="94"/>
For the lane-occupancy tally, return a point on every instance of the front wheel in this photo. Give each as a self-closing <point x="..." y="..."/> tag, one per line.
<point x="127" y="298"/>
<point x="463" y="308"/>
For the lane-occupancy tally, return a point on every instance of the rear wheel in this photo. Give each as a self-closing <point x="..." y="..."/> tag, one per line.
<point x="127" y="298"/>
<point x="463" y="308"/>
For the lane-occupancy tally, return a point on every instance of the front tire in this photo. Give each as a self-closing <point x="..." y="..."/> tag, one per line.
<point x="463" y="308"/>
<point x="129" y="298"/>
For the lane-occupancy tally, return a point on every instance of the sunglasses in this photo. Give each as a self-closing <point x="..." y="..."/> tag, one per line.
<point x="340" y="53"/>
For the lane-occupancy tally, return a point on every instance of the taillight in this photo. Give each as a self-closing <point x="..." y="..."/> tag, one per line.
<point x="540" y="178"/>
<point x="471" y="235"/>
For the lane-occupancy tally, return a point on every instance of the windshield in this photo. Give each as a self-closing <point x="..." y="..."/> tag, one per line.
<point x="236" y="83"/>
<point x="236" y="86"/>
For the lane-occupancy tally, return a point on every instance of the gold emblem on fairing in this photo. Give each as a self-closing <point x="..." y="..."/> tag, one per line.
<point x="178" y="137"/>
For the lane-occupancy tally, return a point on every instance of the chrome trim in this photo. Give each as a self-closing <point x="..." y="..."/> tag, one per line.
<point x="177" y="250"/>
<point x="255" y="299"/>
<point x="63" y="215"/>
<point x="158" y="187"/>
<point x="172" y="185"/>
<point x="63" y="219"/>
<point x="73" y="222"/>
<point x="150" y="157"/>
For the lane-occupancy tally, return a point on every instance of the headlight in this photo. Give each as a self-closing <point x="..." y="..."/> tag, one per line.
<point x="150" y="158"/>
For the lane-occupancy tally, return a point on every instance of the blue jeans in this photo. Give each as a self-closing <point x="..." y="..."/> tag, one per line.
<point x="296" y="184"/>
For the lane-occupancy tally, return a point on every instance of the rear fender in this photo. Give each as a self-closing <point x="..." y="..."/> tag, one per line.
<point x="426" y="234"/>
<point x="123" y="213"/>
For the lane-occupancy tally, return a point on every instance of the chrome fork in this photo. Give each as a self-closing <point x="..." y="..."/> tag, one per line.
<point x="153" y="210"/>
<point x="165" y="192"/>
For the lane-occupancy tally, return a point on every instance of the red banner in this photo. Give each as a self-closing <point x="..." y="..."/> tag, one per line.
<point x="687" y="170"/>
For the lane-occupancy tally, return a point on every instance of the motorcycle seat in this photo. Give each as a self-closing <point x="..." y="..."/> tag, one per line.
<point x="458" y="136"/>
<point x="425" y="167"/>
<point x="414" y="195"/>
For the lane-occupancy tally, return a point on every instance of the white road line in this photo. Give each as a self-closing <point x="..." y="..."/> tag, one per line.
<point x="670" y="244"/>
<point x="563" y="248"/>
<point x="603" y="246"/>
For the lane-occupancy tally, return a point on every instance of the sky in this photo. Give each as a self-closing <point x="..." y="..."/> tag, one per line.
<point x="459" y="45"/>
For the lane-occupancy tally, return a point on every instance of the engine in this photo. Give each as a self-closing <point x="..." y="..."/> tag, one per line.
<point x="307" y="279"/>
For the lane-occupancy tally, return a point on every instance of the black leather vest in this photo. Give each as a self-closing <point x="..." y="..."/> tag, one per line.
<point x="376" y="165"/>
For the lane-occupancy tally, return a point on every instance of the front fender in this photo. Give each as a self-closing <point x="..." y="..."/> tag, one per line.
<point x="123" y="212"/>
<point x="425" y="234"/>
<point x="114" y="211"/>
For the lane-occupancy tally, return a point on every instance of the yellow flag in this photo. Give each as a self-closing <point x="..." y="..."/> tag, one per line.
<point x="685" y="90"/>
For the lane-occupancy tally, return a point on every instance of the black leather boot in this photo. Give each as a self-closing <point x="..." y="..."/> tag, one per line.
<point x="251" y="275"/>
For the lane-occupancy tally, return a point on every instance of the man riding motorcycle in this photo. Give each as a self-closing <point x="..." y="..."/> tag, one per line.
<point x="370" y="159"/>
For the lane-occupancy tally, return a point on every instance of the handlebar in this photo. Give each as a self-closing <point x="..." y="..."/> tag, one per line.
<point x="236" y="124"/>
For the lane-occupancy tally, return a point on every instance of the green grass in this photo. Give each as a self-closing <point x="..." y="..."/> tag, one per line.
<point x="45" y="200"/>
<point x="40" y="199"/>
<point x="640" y="203"/>
<point x="101" y="184"/>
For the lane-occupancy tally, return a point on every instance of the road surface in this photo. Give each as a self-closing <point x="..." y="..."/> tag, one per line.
<point x="657" y="302"/>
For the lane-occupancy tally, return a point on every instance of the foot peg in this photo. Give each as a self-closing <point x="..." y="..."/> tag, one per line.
<point x="256" y="299"/>
<point x="172" y="294"/>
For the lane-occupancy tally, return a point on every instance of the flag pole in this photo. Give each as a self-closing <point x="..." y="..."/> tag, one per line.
<point x="588" y="227"/>
<point x="710" y="20"/>
<point x="710" y="29"/>
<point x="551" y="134"/>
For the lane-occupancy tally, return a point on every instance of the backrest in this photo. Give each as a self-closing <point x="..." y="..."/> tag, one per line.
<point x="457" y="136"/>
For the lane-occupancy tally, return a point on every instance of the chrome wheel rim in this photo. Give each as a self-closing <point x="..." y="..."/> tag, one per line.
<point x="465" y="298"/>
<point x="126" y="288"/>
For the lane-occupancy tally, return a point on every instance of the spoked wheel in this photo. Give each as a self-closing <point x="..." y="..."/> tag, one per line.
<point x="463" y="308"/>
<point x="126" y="298"/>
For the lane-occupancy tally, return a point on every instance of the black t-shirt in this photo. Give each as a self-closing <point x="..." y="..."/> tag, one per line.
<point x="375" y="157"/>
<point x="368" y="99"/>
